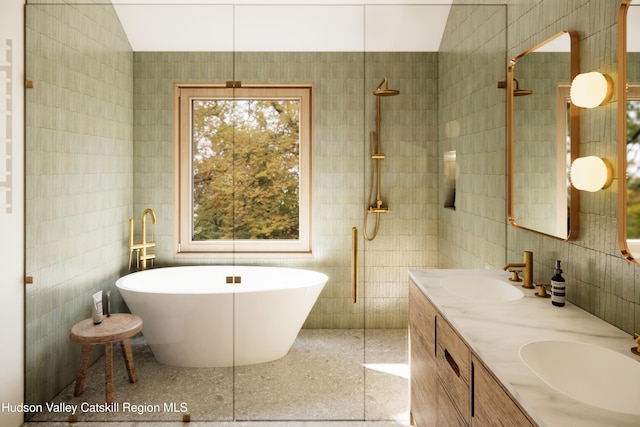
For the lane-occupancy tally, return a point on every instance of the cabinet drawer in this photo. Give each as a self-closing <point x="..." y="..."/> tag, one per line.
<point x="456" y="349"/>
<point x="448" y="415"/>
<point x="422" y="320"/>
<point x="492" y="404"/>
<point x="454" y="367"/>
<point x="459" y="390"/>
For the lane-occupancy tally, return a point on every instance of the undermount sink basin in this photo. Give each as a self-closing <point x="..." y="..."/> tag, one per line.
<point x="591" y="374"/>
<point x="481" y="289"/>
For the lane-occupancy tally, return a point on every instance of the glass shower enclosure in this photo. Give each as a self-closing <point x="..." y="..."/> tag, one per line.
<point x="101" y="147"/>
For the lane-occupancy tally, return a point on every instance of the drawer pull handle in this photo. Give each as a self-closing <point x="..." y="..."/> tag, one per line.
<point x="452" y="362"/>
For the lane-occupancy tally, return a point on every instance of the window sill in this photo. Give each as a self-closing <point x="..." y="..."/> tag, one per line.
<point x="243" y="255"/>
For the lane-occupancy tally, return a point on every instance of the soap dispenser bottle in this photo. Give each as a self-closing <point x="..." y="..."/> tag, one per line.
<point x="558" y="294"/>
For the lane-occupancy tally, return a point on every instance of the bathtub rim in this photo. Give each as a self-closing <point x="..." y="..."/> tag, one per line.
<point x="309" y="277"/>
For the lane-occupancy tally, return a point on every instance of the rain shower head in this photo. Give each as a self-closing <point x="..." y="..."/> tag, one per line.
<point x="516" y="90"/>
<point x="380" y="91"/>
<point x="520" y="92"/>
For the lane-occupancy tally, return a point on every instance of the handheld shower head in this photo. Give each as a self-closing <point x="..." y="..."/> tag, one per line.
<point x="380" y="91"/>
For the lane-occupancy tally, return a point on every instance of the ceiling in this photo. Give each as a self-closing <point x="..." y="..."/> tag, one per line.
<point x="284" y="25"/>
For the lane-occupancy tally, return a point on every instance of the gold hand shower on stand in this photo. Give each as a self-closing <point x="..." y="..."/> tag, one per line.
<point x="376" y="156"/>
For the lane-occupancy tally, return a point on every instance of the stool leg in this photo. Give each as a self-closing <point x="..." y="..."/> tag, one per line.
<point x="108" y="372"/>
<point x="85" y="357"/>
<point x="127" y="353"/>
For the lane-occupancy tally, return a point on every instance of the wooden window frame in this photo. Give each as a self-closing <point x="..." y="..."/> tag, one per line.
<point x="185" y="245"/>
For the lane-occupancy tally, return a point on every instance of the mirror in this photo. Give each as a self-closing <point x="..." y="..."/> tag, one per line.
<point x="543" y="137"/>
<point x="629" y="130"/>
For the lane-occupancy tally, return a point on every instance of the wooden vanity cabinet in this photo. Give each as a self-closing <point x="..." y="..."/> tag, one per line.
<point x="440" y="367"/>
<point x="450" y="386"/>
<point x="422" y="343"/>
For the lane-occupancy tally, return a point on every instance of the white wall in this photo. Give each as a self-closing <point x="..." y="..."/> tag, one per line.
<point x="355" y="26"/>
<point x="12" y="221"/>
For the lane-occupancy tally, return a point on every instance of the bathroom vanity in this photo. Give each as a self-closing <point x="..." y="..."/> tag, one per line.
<point x="465" y="355"/>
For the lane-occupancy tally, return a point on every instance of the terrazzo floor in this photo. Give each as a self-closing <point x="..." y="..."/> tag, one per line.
<point x="337" y="378"/>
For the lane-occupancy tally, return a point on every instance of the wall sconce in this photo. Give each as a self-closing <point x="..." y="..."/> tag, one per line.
<point x="591" y="173"/>
<point x="589" y="90"/>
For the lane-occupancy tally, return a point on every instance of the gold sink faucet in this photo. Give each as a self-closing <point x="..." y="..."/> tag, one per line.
<point x="528" y="270"/>
<point x="141" y="248"/>
<point x="636" y="350"/>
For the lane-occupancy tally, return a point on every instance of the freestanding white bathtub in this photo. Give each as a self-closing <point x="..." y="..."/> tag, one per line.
<point x="193" y="318"/>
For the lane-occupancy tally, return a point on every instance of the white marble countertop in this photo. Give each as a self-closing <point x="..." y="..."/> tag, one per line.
<point x="496" y="331"/>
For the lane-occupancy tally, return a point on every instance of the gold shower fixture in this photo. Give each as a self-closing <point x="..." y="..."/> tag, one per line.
<point x="380" y="91"/>
<point x="376" y="156"/>
<point x="516" y="88"/>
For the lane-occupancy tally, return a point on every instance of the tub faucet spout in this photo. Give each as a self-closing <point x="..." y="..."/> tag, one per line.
<point x="146" y="212"/>
<point x="528" y="269"/>
<point x="141" y="248"/>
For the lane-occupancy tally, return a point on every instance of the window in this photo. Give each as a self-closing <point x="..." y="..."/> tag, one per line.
<point x="244" y="169"/>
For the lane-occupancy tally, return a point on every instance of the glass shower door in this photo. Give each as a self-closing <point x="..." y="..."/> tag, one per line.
<point x="321" y="377"/>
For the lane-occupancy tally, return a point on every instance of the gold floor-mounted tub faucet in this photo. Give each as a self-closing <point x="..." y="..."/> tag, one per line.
<point x="141" y="248"/>
<point x="528" y="270"/>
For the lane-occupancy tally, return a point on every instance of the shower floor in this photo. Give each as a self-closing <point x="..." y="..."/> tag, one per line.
<point x="331" y="377"/>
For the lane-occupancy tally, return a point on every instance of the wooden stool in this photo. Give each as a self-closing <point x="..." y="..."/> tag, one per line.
<point x="118" y="327"/>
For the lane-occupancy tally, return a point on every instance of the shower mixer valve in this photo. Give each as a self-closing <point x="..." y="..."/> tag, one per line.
<point x="379" y="208"/>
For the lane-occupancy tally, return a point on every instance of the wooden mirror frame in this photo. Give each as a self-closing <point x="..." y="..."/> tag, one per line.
<point x="574" y="202"/>
<point x="622" y="131"/>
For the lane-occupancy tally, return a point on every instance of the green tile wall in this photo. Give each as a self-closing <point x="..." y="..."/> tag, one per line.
<point x="79" y="182"/>
<point x="598" y="278"/>
<point x="344" y="114"/>
<point x="472" y="121"/>
<point x="477" y="235"/>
